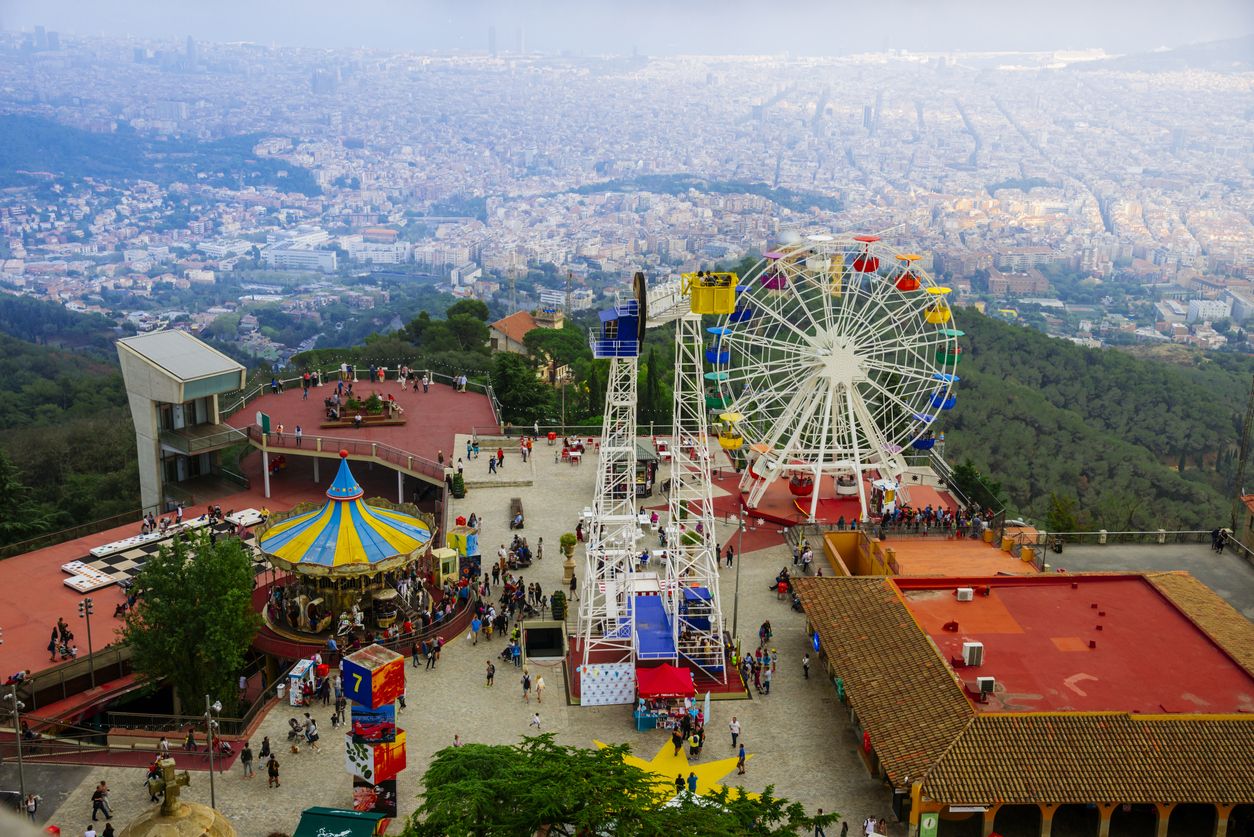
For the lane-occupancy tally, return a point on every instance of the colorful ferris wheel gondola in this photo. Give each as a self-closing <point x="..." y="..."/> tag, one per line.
<point x="908" y="280"/>
<point x="937" y="311"/>
<point x="716" y="352"/>
<point x="865" y="262"/>
<point x="774" y="278"/>
<point x="729" y="437"/>
<point x="944" y="398"/>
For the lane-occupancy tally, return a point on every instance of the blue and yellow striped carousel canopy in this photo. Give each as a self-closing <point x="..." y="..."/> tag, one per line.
<point x="346" y="536"/>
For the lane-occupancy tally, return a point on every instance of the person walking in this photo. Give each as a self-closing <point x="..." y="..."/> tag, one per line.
<point x="692" y="782"/>
<point x="740" y="760"/>
<point x="540" y="689"/>
<point x="475" y="626"/>
<point x="535" y="721"/>
<point x="265" y="748"/>
<point x="679" y="783"/>
<point x="490" y="671"/>
<point x="311" y="733"/>
<point x="246" y="759"/>
<point x="805" y="666"/>
<point x="766" y="679"/>
<point x="677" y="739"/>
<point x="100" y="802"/>
<point x="90" y="832"/>
<point x="163" y="747"/>
<point x="734" y="727"/>
<point x="272" y="770"/>
<point x="31" y="805"/>
<point x="818" y="829"/>
<point x="299" y="432"/>
<point x="526" y="686"/>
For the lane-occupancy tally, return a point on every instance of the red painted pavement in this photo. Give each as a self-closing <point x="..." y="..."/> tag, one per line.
<point x="431" y="419"/>
<point x="1036" y="630"/>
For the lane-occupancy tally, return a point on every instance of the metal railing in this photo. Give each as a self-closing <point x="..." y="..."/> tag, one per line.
<point x="72" y="677"/>
<point x="61" y="536"/>
<point x="1103" y="537"/>
<point x="232" y="402"/>
<point x="380" y="451"/>
<point x="189" y="443"/>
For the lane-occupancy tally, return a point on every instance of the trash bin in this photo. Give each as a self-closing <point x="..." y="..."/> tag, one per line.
<point x="280" y="691"/>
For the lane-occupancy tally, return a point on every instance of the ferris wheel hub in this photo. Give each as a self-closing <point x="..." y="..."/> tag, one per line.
<point x="843" y="365"/>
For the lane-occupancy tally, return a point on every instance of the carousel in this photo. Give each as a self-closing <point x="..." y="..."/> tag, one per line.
<point x="346" y="557"/>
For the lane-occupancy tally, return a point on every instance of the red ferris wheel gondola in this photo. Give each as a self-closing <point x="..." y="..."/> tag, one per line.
<point x="864" y="262"/>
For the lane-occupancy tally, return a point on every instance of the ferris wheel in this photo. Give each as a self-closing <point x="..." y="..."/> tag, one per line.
<point x="838" y="361"/>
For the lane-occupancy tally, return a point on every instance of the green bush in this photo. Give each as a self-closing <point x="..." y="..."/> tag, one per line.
<point x="459" y="486"/>
<point x="558" y="605"/>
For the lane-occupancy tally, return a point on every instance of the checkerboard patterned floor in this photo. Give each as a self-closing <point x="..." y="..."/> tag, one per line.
<point x="123" y="565"/>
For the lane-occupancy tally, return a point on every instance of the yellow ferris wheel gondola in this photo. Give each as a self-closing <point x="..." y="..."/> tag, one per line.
<point x="937" y="311"/>
<point x="729" y="437"/>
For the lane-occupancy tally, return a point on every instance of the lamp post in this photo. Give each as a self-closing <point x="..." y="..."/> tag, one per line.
<point x="84" y="612"/>
<point x="18" y="706"/>
<point x="210" y="723"/>
<point x="740" y="542"/>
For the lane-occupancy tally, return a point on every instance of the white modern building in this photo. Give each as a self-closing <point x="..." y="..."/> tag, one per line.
<point x="299" y="258"/>
<point x="1208" y="310"/>
<point x="172" y="383"/>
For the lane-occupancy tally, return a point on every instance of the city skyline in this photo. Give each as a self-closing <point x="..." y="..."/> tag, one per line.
<point x="656" y="27"/>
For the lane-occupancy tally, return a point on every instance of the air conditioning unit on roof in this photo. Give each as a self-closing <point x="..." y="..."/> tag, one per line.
<point x="966" y="594"/>
<point x="985" y="685"/>
<point x="973" y="653"/>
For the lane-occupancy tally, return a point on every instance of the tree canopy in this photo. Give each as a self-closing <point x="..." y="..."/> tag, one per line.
<point x="520" y="789"/>
<point x="524" y="398"/>
<point x="194" y="620"/>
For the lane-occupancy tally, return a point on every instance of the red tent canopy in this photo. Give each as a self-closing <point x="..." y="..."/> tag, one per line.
<point x="664" y="681"/>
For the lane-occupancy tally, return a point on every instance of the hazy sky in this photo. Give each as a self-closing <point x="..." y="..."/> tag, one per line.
<point x="654" y="26"/>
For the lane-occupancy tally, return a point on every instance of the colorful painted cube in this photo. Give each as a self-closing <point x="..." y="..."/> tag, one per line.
<point x="373" y="726"/>
<point x="375" y="762"/>
<point x="373" y="676"/>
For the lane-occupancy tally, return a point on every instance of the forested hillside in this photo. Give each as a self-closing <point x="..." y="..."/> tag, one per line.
<point x="1097" y="438"/>
<point x="67" y="445"/>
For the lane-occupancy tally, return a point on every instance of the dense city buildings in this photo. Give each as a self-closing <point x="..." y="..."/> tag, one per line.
<point x="1092" y="179"/>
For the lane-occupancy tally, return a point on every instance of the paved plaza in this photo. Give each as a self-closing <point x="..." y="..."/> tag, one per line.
<point x="798" y="737"/>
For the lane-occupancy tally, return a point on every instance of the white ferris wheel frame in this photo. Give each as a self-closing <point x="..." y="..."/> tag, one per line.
<point x="836" y="370"/>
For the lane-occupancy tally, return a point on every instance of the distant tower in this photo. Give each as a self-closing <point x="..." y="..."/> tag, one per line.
<point x="866" y="117"/>
<point x="41" y="38"/>
<point x="191" y="50"/>
<point x="492" y="41"/>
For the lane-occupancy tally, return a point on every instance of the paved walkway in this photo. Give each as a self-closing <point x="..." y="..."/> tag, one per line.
<point x="798" y="737"/>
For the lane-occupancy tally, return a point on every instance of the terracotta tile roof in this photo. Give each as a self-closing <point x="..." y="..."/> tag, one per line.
<point x="903" y="692"/>
<point x="1223" y="623"/>
<point x="1081" y="758"/>
<point x="516" y="325"/>
<point x="922" y="725"/>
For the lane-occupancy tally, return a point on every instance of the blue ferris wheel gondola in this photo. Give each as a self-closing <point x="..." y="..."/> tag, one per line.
<point x="942" y="402"/>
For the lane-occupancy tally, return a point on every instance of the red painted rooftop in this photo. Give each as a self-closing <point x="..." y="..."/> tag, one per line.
<point x="432" y="418"/>
<point x="1149" y="658"/>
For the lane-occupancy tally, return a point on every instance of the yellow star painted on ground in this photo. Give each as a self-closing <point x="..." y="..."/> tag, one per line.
<point x="666" y="765"/>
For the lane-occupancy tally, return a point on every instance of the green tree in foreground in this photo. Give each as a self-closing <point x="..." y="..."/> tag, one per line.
<point x="194" y="620"/>
<point x="525" y="788"/>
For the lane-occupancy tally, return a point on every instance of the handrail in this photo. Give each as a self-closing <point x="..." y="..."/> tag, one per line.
<point x="382" y="451"/>
<point x="52" y="538"/>
<point x="118" y="654"/>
